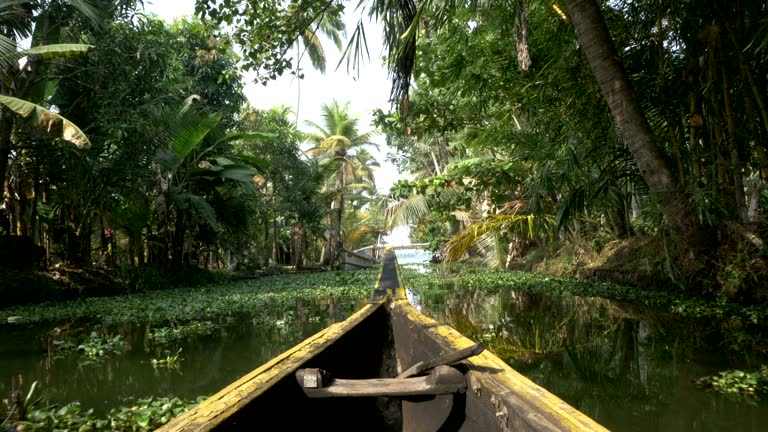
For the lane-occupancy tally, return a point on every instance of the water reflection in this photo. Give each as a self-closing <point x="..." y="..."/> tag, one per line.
<point x="630" y="369"/>
<point x="237" y="345"/>
<point x="416" y="259"/>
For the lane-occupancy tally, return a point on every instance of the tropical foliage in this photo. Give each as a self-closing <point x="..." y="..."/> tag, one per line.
<point x="339" y="148"/>
<point x="126" y="142"/>
<point x="508" y="121"/>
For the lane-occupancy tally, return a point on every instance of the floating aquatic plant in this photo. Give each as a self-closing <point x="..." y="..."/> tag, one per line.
<point x="162" y="336"/>
<point x="268" y="298"/>
<point x="171" y="361"/>
<point x="493" y="281"/>
<point x="141" y="415"/>
<point x="749" y="386"/>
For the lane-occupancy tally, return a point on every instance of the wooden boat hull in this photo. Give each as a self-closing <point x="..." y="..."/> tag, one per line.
<point x="355" y="261"/>
<point x="383" y="338"/>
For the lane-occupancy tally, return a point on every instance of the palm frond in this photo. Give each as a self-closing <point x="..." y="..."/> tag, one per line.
<point x="464" y="217"/>
<point x="188" y="133"/>
<point x="9" y="55"/>
<point x="57" y="51"/>
<point x="406" y="211"/>
<point x="90" y="10"/>
<point x="198" y="204"/>
<point x="496" y="224"/>
<point x="314" y="48"/>
<point x="356" y="50"/>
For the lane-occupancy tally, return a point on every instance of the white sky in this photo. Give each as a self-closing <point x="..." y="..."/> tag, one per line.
<point x="365" y="91"/>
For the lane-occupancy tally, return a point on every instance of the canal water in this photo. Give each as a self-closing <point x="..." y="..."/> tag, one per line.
<point x="628" y="368"/>
<point x="231" y="347"/>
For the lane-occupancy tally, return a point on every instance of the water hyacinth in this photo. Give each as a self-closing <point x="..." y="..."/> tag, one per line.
<point x="267" y="296"/>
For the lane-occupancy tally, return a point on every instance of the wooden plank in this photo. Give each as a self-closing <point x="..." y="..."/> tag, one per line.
<point x="442" y="380"/>
<point x="445" y="359"/>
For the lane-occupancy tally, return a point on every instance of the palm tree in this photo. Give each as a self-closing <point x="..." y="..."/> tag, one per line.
<point x="608" y="69"/>
<point x="329" y="24"/>
<point x="187" y="169"/>
<point x="337" y="146"/>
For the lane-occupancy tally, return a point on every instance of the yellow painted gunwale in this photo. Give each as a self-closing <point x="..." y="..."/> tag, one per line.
<point x="217" y="408"/>
<point x="507" y="380"/>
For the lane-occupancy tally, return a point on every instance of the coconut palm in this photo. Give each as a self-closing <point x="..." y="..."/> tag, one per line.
<point x="337" y="146"/>
<point x="329" y="24"/>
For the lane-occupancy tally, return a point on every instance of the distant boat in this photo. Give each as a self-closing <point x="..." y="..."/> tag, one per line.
<point x="356" y="261"/>
<point x="387" y="367"/>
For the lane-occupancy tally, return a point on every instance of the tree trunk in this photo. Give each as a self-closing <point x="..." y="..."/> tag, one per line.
<point x="596" y="43"/>
<point x="179" y="234"/>
<point x="160" y="254"/>
<point x="275" y="238"/>
<point x="619" y="225"/>
<point x="6" y="126"/>
<point x="298" y="241"/>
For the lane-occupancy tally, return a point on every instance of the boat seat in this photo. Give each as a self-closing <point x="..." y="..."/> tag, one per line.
<point x="441" y="379"/>
<point x="318" y="383"/>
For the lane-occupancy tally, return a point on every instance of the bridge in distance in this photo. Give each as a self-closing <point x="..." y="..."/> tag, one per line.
<point x="366" y="257"/>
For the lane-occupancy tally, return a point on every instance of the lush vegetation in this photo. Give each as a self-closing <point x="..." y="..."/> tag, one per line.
<point x="528" y="124"/>
<point x="270" y="297"/>
<point x="519" y="142"/>
<point x="529" y="128"/>
<point x="126" y="144"/>
<point x="522" y="144"/>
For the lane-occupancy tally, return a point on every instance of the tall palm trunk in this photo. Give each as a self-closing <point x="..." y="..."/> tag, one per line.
<point x="6" y="126"/>
<point x="340" y="221"/>
<point x="161" y="248"/>
<point x="595" y="40"/>
<point x="177" y="240"/>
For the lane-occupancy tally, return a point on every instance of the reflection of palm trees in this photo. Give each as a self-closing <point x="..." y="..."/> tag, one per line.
<point x="591" y="339"/>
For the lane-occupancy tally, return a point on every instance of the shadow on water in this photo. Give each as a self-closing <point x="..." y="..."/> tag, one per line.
<point x="628" y="368"/>
<point x="230" y="348"/>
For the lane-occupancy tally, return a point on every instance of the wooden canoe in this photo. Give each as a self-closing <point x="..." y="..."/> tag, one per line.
<point x="355" y="261"/>
<point x="364" y="356"/>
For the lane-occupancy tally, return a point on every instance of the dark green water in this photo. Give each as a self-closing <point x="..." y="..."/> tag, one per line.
<point x="629" y="369"/>
<point x="208" y="363"/>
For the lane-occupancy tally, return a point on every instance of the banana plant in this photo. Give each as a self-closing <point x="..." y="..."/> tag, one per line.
<point x="40" y="116"/>
<point x="189" y="169"/>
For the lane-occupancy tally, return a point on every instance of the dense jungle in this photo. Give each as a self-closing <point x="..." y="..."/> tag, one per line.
<point x="615" y="151"/>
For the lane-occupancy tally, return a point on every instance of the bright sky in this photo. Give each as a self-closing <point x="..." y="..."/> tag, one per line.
<point x="365" y="91"/>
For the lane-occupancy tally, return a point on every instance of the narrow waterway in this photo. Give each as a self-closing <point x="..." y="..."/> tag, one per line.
<point x="628" y="368"/>
<point x="230" y="348"/>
